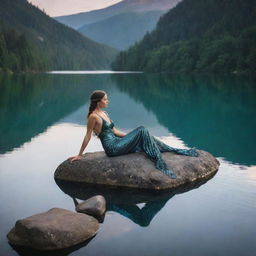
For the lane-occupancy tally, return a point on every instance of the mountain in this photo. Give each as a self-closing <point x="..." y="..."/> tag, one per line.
<point x="28" y="36"/>
<point x="80" y="19"/>
<point x="198" y="35"/>
<point x="122" y="30"/>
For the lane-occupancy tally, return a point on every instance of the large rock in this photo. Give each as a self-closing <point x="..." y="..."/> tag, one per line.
<point x="54" y="229"/>
<point x="137" y="170"/>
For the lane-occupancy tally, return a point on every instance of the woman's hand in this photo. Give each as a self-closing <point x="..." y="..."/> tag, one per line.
<point x="73" y="158"/>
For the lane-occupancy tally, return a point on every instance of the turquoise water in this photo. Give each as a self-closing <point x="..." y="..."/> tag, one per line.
<point x="43" y="122"/>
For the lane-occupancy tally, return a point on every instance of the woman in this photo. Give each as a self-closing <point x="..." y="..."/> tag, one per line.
<point x="117" y="143"/>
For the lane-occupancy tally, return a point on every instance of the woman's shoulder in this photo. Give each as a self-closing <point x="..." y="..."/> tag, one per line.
<point x="93" y="116"/>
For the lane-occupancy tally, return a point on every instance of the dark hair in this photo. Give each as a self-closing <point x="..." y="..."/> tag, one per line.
<point x="95" y="97"/>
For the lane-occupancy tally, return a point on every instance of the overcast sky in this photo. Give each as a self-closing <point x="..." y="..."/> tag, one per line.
<point x="64" y="7"/>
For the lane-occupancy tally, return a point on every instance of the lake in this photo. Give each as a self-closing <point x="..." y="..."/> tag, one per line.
<point x="43" y="122"/>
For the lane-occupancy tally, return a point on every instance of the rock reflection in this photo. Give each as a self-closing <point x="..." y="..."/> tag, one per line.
<point x="124" y="200"/>
<point x="25" y="251"/>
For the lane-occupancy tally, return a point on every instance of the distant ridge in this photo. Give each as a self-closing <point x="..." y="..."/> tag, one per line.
<point x="122" y="30"/>
<point x="80" y="19"/>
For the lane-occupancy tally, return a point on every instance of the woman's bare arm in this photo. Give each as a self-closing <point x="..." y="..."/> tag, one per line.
<point x="90" y="126"/>
<point x="87" y="137"/>
<point x="118" y="132"/>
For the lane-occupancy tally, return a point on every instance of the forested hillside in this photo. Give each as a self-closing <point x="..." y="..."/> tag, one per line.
<point x="17" y="54"/>
<point x="30" y="41"/>
<point x="198" y="35"/>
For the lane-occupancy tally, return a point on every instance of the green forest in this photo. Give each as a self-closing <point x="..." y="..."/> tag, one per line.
<point x="32" y="41"/>
<point x="17" y="54"/>
<point x="198" y="36"/>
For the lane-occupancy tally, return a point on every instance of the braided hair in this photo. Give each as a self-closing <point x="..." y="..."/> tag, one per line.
<point x="95" y="97"/>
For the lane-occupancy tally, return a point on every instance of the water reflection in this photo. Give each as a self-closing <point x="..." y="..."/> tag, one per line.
<point x="31" y="103"/>
<point x="214" y="113"/>
<point x="25" y="251"/>
<point x="124" y="200"/>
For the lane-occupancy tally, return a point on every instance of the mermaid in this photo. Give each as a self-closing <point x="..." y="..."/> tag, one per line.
<point x="116" y="142"/>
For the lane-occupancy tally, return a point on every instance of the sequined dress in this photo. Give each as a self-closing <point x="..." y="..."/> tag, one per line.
<point x="139" y="140"/>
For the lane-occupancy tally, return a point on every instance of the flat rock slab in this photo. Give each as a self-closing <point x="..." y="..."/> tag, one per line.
<point x="137" y="170"/>
<point x="52" y="230"/>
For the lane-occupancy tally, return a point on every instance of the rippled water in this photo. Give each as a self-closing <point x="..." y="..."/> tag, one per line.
<point x="43" y="122"/>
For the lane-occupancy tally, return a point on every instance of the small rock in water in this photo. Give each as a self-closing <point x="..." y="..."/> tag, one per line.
<point x="52" y="230"/>
<point x="95" y="206"/>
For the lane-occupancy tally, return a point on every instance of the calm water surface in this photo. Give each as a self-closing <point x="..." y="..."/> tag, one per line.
<point x="42" y="118"/>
